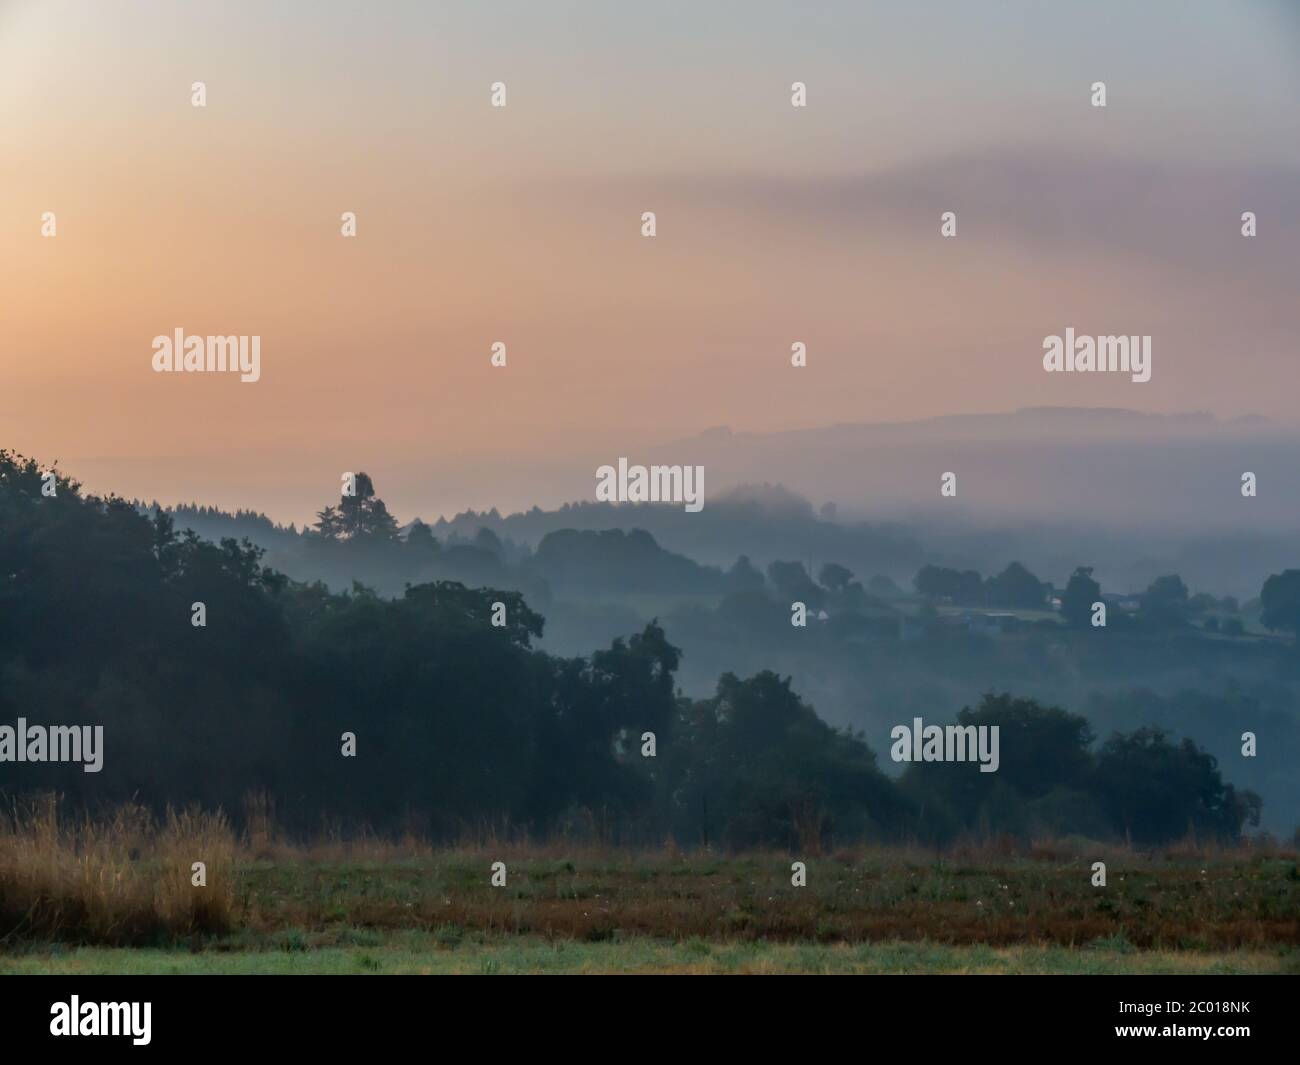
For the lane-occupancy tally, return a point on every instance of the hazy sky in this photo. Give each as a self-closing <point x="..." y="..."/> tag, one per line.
<point x="522" y="225"/>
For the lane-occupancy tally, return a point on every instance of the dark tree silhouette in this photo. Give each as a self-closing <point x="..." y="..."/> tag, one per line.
<point x="1080" y="593"/>
<point x="1280" y="600"/>
<point x="362" y="516"/>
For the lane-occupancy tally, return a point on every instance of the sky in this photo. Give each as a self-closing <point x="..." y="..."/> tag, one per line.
<point x="522" y="225"/>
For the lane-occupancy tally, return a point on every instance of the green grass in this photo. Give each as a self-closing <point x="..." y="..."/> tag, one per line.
<point x="430" y="953"/>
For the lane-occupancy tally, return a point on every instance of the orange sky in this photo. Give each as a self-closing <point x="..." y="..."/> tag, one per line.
<point x="522" y="225"/>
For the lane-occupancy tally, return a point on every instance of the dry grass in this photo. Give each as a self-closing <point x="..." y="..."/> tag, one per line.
<point x="125" y="879"/>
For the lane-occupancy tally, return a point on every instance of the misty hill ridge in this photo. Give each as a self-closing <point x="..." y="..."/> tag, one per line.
<point x="1084" y="421"/>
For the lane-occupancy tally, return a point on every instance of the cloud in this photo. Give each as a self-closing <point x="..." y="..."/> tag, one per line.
<point x="1180" y="215"/>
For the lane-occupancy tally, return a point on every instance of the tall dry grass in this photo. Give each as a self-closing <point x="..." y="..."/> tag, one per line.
<point x="125" y="879"/>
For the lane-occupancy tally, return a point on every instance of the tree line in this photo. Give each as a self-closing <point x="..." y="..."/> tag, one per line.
<point x="457" y="720"/>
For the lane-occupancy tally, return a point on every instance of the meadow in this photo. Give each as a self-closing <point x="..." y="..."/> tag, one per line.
<point x="116" y="895"/>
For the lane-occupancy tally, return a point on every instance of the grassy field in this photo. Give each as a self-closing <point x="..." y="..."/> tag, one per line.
<point x="118" y="897"/>
<point x="368" y="952"/>
<point x="1186" y="903"/>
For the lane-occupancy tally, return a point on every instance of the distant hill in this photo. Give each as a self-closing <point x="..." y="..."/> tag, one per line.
<point x="1100" y="467"/>
<point x="1135" y="495"/>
